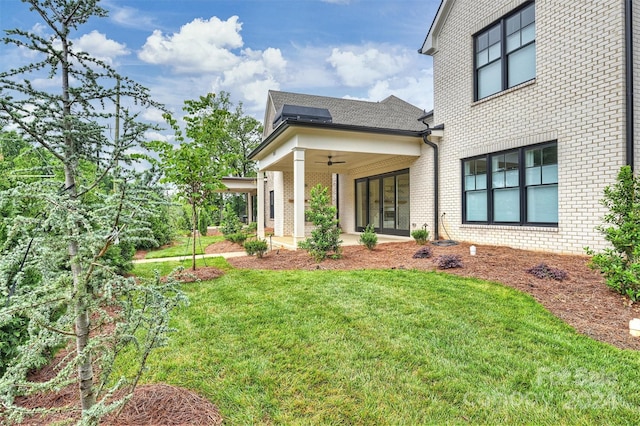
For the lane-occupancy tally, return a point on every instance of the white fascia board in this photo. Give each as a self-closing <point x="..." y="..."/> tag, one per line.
<point x="430" y="45"/>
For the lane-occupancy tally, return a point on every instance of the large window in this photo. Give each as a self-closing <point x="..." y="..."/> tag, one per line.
<point x="505" y="53"/>
<point x="517" y="187"/>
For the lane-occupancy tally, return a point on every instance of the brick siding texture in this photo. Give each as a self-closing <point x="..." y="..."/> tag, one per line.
<point x="577" y="98"/>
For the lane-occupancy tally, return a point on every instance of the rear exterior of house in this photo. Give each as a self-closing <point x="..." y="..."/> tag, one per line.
<point x="535" y="105"/>
<point x="371" y="155"/>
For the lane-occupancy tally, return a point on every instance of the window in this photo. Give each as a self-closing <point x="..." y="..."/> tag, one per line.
<point x="505" y="53"/>
<point x="271" y="205"/>
<point x="519" y="188"/>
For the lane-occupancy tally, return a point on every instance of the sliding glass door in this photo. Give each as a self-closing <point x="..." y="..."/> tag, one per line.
<point x="383" y="201"/>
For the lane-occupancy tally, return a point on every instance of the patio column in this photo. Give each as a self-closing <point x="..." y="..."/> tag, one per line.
<point x="260" y="186"/>
<point x="298" y="195"/>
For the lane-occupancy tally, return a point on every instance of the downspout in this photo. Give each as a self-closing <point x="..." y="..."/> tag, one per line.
<point x="629" y="81"/>
<point x="436" y="226"/>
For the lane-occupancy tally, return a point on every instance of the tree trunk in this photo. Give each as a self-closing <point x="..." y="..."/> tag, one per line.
<point x="81" y="310"/>
<point x="194" y="233"/>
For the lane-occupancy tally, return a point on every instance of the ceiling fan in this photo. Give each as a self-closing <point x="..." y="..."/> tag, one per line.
<point x="330" y="162"/>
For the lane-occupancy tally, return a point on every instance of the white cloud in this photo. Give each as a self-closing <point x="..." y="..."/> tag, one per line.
<point x="199" y="46"/>
<point x="156" y="136"/>
<point x="100" y="47"/>
<point x="154" y="115"/>
<point x="417" y="89"/>
<point x="362" y="68"/>
<point x="130" y="17"/>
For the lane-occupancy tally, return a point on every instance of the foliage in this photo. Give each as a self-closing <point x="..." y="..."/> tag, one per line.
<point x="256" y="246"/>
<point x="424" y="252"/>
<point x="542" y="270"/>
<point x="230" y="223"/>
<point x="325" y="237"/>
<point x="73" y="196"/>
<point x="252" y="227"/>
<point x="13" y="334"/>
<point x="368" y="238"/>
<point x="620" y="263"/>
<point x="237" y="237"/>
<point x="448" y="261"/>
<point x="380" y="347"/>
<point x="203" y="222"/>
<point x="196" y="166"/>
<point x="421" y="235"/>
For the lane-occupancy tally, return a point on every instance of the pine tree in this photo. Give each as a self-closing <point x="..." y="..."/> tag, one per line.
<point x="56" y="263"/>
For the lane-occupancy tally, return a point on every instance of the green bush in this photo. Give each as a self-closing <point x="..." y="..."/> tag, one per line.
<point x="368" y="238"/>
<point x="421" y="235"/>
<point x="236" y="237"/>
<point x="620" y="264"/>
<point x="258" y="247"/>
<point x="13" y="334"/>
<point x="203" y="222"/>
<point x="230" y="223"/>
<point x="325" y="237"/>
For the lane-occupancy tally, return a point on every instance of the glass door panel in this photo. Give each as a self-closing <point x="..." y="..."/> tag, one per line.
<point x="389" y="202"/>
<point x="374" y="203"/>
<point x="361" y="204"/>
<point x="402" y="209"/>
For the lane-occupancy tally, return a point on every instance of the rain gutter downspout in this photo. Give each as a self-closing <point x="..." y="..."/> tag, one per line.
<point x="628" y="21"/>
<point x="436" y="226"/>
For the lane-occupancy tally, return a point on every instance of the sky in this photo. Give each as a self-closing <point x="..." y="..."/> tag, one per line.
<point x="181" y="49"/>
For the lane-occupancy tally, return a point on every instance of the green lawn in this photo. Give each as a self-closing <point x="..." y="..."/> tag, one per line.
<point x="389" y="347"/>
<point x="183" y="246"/>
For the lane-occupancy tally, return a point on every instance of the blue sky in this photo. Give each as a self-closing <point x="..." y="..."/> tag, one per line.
<point x="181" y="49"/>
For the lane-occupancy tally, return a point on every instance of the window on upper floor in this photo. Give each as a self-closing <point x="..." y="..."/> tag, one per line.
<point x="505" y="53"/>
<point x="517" y="187"/>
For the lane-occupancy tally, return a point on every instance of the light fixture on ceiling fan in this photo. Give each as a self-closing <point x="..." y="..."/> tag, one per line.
<point x="331" y="162"/>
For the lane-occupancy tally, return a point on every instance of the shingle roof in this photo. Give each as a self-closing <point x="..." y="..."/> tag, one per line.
<point x="390" y="113"/>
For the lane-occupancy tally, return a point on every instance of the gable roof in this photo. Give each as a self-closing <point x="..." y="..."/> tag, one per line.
<point x="430" y="45"/>
<point x="391" y="113"/>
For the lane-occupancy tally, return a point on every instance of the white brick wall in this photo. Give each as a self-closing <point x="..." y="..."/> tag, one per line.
<point x="576" y="98"/>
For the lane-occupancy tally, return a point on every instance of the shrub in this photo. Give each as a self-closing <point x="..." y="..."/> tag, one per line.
<point x="230" y="223"/>
<point x="368" y="238"/>
<point x="448" y="261"/>
<point x="423" y="253"/>
<point x="252" y="227"/>
<point x="258" y="247"/>
<point x="203" y="222"/>
<point x="620" y="264"/>
<point x="236" y="237"/>
<point x="325" y="237"/>
<point x="541" y="271"/>
<point x="421" y="235"/>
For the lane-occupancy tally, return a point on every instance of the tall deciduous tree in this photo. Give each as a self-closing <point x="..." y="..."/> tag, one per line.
<point x="73" y="289"/>
<point x="198" y="162"/>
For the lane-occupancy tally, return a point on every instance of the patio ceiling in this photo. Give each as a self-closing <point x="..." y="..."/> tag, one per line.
<point x="355" y="149"/>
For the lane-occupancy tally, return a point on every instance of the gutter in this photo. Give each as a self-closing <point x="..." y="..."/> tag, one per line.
<point x="291" y="122"/>
<point x="628" y="24"/>
<point x="436" y="184"/>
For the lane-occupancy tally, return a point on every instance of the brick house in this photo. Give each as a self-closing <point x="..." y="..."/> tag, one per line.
<point x="371" y="154"/>
<point x="534" y="114"/>
<point x="537" y="103"/>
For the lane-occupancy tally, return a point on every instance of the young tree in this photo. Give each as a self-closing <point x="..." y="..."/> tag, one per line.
<point x="325" y="236"/>
<point x="72" y="289"/>
<point x="197" y="164"/>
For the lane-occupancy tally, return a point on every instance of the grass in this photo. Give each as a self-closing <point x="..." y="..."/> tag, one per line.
<point x="183" y="247"/>
<point x="389" y="347"/>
